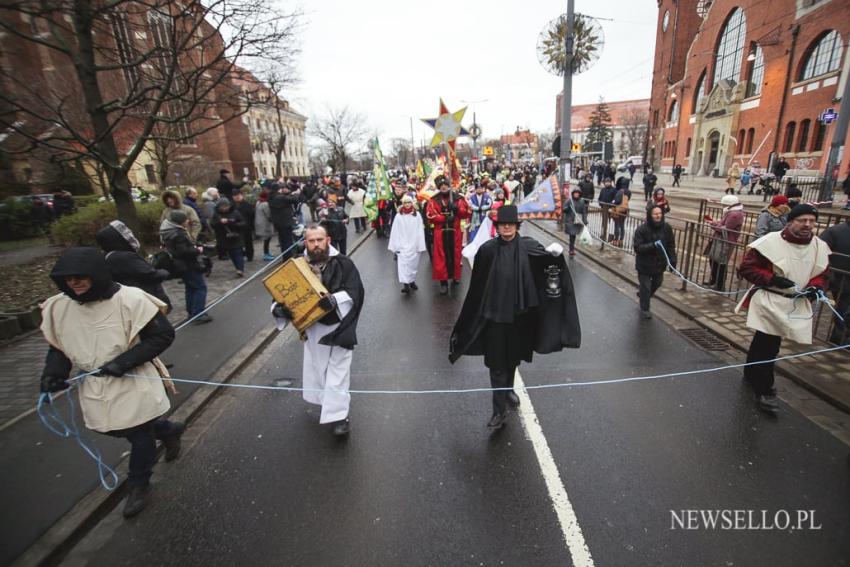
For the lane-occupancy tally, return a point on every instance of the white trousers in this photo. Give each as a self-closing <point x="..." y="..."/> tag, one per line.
<point x="327" y="378"/>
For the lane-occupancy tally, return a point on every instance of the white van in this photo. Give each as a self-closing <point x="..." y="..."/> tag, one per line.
<point x="636" y="160"/>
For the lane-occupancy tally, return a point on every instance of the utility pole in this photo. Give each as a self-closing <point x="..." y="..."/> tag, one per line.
<point x="838" y="137"/>
<point x="567" y="98"/>
<point x="412" y="143"/>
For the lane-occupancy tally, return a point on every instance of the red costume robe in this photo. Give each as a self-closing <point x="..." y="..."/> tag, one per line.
<point x="448" y="238"/>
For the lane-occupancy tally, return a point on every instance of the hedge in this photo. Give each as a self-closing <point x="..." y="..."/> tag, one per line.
<point x="16" y="220"/>
<point x="79" y="229"/>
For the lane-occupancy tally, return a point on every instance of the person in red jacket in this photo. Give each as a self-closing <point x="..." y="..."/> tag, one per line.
<point x="788" y="270"/>
<point x="445" y="210"/>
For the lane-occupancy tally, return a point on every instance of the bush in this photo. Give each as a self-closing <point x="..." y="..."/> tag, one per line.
<point x="16" y="220"/>
<point x="79" y="229"/>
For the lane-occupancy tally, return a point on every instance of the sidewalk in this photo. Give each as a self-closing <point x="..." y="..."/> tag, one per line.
<point x="22" y="360"/>
<point x="827" y="375"/>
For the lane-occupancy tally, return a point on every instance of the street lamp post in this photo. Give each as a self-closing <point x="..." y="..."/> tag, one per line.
<point x="567" y="98"/>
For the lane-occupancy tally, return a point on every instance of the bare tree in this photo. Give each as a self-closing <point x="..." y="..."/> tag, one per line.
<point x="634" y="124"/>
<point x="124" y="73"/>
<point x="339" y="130"/>
<point x="545" y="141"/>
<point x="401" y="151"/>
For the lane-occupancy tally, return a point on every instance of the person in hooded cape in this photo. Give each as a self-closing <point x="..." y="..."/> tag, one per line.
<point x="520" y="301"/>
<point x="97" y="324"/>
<point x="329" y="343"/>
<point x="126" y="265"/>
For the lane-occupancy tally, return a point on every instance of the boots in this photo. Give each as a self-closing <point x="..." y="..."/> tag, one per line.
<point x="137" y="499"/>
<point x="405" y="288"/>
<point x="172" y="442"/>
<point x="444" y="287"/>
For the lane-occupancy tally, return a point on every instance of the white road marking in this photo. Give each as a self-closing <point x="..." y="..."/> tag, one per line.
<point x="557" y="492"/>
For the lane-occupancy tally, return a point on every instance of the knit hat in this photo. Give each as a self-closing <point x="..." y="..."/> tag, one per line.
<point x="407" y="199"/>
<point x="802" y="209"/>
<point x="177" y="216"/>
<point x="779" y="200"/>
<point x="730" y="200"/>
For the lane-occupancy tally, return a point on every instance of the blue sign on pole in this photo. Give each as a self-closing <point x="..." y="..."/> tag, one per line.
<point x="828" y="116"/>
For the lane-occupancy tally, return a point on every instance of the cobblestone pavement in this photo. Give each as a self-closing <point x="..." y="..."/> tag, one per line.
<point x="824" y="378"/>
<point x="21" y="361"/>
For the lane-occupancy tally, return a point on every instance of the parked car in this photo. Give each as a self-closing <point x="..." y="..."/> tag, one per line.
<point x="636" y="160"/>
<point x="46" y="198"/>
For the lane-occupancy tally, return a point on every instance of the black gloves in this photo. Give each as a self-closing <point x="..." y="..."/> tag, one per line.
<point x="51" y="384"/>
<point x="281" y="312"/>
<point x="111" y="368"/>
<point x="812" y="292"/>
<point x="781" y="282"/>
<point x="328" y="302"/>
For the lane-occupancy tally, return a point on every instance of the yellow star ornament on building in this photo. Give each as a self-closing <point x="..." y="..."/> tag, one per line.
<point x="447" y="126"/>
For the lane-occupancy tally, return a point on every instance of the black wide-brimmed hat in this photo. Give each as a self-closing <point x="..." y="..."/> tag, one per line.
<point x="507" y="214"/>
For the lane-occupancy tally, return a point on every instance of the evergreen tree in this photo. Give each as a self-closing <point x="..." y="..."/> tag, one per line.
<point x="600" y="124"/>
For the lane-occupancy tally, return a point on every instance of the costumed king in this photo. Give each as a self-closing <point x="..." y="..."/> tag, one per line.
<point x="94" y="324"/>
<point x="788" y="269"/>
<point x="407" y="242"/>
<point x="329" y="344"/>
<point x="520" y="301"/>
<point x="445" y="210"/>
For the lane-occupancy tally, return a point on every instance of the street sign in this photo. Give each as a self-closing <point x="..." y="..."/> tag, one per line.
<point x="828" y="116"/>
<point x="576" y="148"/>
<point x="488" y="151"/>
<point x="475" y="131"/>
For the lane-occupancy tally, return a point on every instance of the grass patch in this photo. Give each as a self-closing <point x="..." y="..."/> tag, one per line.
<point x="12" y="245"/>
<point x="26" y="284"/>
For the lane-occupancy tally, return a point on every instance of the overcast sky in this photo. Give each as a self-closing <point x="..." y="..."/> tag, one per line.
<point x="393" y="59"/>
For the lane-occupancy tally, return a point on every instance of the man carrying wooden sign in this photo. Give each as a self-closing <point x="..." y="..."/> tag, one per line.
<point x="333" y="287"/>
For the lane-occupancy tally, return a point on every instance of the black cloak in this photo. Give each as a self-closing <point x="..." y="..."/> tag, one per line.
<point x="340" y="274"/>
<point x="553" y="321"/>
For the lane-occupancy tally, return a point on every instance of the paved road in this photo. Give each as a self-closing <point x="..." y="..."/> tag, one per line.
<point x="422" y="482"/>
<point x="44" y="476"/>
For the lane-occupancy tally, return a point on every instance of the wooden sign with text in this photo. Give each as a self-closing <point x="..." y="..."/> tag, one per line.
<point x="296" y="286"/>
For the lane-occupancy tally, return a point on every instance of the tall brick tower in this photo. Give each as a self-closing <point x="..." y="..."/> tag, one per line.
<point x="678" y="23"/>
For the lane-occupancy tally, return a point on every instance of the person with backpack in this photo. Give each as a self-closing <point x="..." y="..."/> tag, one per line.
<point x="187" y="262"/>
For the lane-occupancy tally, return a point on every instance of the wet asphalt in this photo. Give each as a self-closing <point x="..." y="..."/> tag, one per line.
<point x="421" y="481"/>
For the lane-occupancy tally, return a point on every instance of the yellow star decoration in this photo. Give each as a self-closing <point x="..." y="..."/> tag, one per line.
<point x="447" y="126"/>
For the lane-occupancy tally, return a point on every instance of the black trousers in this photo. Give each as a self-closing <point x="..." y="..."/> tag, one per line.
<point x="648" y="284"/>
<point x="340" y="245"/>
<point x="763" y="347"/>
<point x="266" y="242"/>
<point x="676" y="181"/>
<point x="360" y="224"/>
<point x="142" y="440"/>
<point x="501" y="379"/>
<point x="284" y="239"/>
<point x="248" y="237"/>
<point x="718" y="275"/>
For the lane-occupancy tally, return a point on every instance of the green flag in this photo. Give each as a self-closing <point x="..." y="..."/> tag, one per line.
<point x="382" y="182"/>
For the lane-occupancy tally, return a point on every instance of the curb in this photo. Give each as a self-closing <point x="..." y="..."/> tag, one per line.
<point x="719" y="331"/>
<point x="62" y="536"/>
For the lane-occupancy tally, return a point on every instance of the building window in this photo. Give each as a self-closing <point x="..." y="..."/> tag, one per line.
<point x="820" y="134"/>
<point x="803" y="141"/>
<point x="699" y="93"/>
<point x="665" y="21"/>
<point x="824" y="57"/>
<point x="126" y="50"/>
<point x="150" y="173"/>
<point x="740" y="141"/>
<point x="688" y="146"/>
<point x="751" y="134"/>
<point x="730" y="48"/>
<point x="674" y="112"/>
<point x="755" y="72"/>
<point x="790" y="128"/>
<point x="655" y="119"/>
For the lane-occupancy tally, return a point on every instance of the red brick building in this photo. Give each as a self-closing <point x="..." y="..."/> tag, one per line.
<point x="746" y="81"/>
<point x="29" y="69"/>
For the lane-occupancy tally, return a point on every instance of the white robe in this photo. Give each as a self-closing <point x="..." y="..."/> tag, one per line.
<point x="482" y="236"/>
<point x="407" y="240"/>
<point x="326" y="375"/>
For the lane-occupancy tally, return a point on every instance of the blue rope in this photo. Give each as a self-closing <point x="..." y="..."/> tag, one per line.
<point x="660" y="245"/>
<point x="50" y="416"/>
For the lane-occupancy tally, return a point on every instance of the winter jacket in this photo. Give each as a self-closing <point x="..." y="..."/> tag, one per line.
<point x="193" y="204"/>
<point x="246" y="209"/>
<point x="649" y="181"/>
<point x="838" y="239"/>
<point x="208" y="203"/>
<point x="771" y="219"/>
<point x="229" y="235"/>
<point x="606" y="195"/>
<point x="649" y="259"/>
<point x="334" y="222"/>
<point x="588" y="190"/>
<point x="181" y="247"/>
<point x="575" y="216"/>
<point x="356" y="197"/>
<point x="194" y="221"/>
<point x="225" y="187"/>
<point x="263" y="226"/>
<point x="282" y="205"/>
<point x="125" y="264"/>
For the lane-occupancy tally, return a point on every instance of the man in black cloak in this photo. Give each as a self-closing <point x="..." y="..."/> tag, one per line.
<point x="520" y="301"/>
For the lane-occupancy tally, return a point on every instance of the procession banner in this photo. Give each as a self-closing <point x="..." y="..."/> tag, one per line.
<point x="542" y="203"/>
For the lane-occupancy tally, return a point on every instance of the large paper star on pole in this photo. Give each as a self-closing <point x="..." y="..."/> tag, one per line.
<point x="447" y="126"/>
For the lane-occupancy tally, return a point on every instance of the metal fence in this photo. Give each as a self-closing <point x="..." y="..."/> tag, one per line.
<point x="693" y="241"/>
<point x="714" y="210"/>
